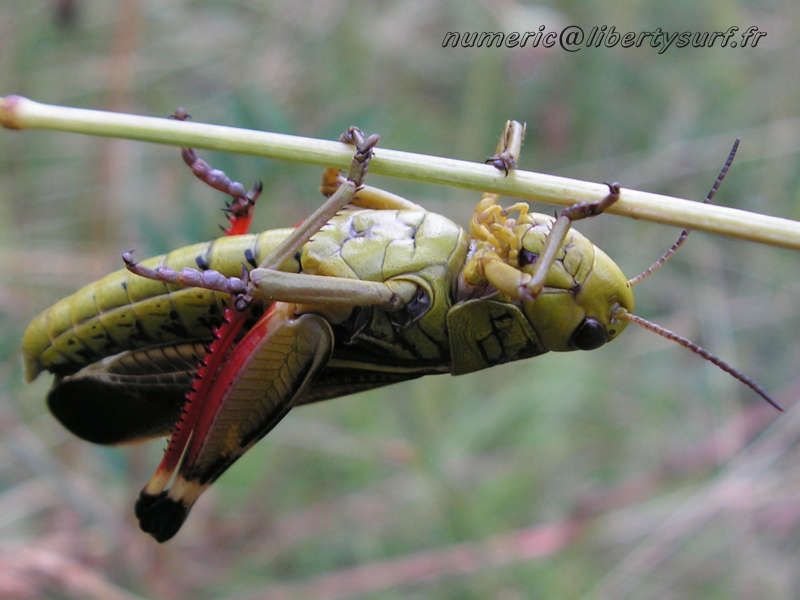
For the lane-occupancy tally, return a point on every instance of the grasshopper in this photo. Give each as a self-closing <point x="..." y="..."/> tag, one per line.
<point x="213" y="344"/>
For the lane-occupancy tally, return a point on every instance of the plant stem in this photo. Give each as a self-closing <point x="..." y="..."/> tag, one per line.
<point x="17" y="112"/>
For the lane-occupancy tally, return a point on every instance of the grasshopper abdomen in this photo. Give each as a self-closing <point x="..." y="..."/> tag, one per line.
<point x="123" y="311"/>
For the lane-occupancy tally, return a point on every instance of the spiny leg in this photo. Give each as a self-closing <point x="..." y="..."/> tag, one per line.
<point x="161" y="512"/>
<point x="194" y="405"/>
<point x="277" y="339"/>
<point x="264" y="374"/>
<point x="239" y="210"/>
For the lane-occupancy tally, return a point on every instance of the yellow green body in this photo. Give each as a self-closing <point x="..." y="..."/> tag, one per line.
<point x="373" y="297"/>
<point x="464" y="326"/>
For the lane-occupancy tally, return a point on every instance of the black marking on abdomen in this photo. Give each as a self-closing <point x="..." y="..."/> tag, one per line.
<point x="202" y="262"/>
<point x="250" y="257"/>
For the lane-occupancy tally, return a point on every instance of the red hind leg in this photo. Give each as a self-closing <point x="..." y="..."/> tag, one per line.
<point x="248" y="380"/>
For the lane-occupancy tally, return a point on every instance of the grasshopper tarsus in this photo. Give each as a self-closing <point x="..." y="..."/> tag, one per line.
<point x="582" y="210"/>
<point x="614" y="187"/>
<point x="243" y="300"/>
<point x="502" y="161"/>
<point x="352" y="135"/>
<point x="509" y="147"/>
<point x="364" y="151"/>
<point x="180" y="114"/>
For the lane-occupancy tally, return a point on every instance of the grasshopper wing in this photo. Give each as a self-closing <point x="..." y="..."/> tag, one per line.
<point x="128" y="397"/>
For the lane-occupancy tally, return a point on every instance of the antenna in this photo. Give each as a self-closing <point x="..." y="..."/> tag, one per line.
<point x="685" y="233"/>
<point x="621" y="313"/>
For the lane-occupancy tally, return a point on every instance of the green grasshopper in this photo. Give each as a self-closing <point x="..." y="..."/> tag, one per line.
<point x="213" y="344"/>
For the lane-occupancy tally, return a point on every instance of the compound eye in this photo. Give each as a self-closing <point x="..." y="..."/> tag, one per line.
<point x="590" y="334"/>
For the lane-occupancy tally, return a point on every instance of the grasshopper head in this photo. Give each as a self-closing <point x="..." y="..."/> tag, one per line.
<point x="584" y="288"/>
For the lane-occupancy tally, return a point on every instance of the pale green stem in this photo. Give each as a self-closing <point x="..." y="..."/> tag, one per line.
<point x="17" y="112"/>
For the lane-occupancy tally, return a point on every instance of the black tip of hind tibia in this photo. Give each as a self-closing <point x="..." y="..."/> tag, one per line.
<point x="160" y="515"/>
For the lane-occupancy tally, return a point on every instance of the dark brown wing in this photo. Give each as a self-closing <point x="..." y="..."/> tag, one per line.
<point x="127" y="397"/>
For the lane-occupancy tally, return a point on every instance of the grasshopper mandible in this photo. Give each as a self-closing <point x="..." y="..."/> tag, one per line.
<point x="213" y="344"/>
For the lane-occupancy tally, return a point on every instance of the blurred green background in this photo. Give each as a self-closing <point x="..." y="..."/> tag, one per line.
<point x="632" y="471"/>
